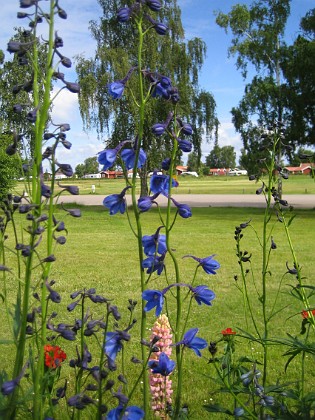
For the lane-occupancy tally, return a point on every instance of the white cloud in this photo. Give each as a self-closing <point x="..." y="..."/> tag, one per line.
<point x="226" y="137"/>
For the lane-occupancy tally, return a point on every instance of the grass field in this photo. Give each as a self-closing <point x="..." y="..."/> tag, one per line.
<point x="296" y="184"/>
<point x="101" y="252"/>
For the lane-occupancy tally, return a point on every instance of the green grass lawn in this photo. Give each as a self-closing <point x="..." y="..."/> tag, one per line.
<point x="296" y="184"/>
<point x="101" y="252"/>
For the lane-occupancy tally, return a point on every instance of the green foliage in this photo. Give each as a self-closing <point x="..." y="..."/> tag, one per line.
<point x="19" y="78"/>
<point x="221" y="157"/>
<point x="9" y="168"/>
<point x="298" y="65"/>
<point x="283" y="88"/>
<point x="90" y="166"/>
<point x="302" y="155"/>
<point x="171" y="54"/>
<point x="193" y="162"/>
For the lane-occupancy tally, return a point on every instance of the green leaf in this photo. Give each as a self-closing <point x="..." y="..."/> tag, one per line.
<point x="217" y="408"/>
<point x="291" y="219"/>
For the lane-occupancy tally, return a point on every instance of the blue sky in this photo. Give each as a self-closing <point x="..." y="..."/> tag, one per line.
<point x="219" y="74"/>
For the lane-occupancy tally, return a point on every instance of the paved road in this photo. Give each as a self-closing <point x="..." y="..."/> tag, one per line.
<point x="302" y="201"/>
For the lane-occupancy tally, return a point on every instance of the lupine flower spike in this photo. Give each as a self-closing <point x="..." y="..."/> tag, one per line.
<point x="161" y="387"/>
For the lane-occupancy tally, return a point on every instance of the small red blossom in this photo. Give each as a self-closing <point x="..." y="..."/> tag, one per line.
<point x="54" y="356"/>
<point x="305" y="314"/>
<point x="228" y="331"/>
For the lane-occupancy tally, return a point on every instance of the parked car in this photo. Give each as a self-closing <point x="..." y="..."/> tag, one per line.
<point x="237" y="172"/>
<point x="190" y="173"/>
<point x="130" y="175"/>
<point x="155" y="173"/>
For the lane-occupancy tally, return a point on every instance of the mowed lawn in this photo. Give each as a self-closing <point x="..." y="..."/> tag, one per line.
<point x="296" y="184"/>
<point x="101" y="252"/>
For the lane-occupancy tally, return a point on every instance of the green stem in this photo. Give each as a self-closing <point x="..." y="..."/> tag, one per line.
<point x="40" y="126"/>
<point x="136" y="212"/>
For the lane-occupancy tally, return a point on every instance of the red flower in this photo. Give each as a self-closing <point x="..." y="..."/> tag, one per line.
<point x="305" y="314"/>
<point x="54" y="356"/>
<point x="228" y="331"/>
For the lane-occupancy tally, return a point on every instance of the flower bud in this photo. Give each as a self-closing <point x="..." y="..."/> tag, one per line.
<point x="58" y="42"/>
<point x="123" y="14"/>
<point x="158" y="129"/>
<point x="160" y="28"/>
<point x="154" y="5"/>
<point x="184" y="145"/>
<point x="62" y="13"/>
<point x="73" y="87"/>
<point x="32" y="115"/>
<point x="27" y="3"/>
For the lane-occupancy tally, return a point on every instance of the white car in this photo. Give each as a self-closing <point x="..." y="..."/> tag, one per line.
<point x="190" y="173"/>
<point x="237" y="172"/>
<point x="130" y="175"/>
<point x="155" y="173"/>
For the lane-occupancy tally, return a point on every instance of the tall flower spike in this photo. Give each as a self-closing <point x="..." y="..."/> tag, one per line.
<point x="161" y="388"/>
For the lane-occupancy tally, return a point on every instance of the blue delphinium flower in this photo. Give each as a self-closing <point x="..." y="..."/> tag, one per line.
<point x="160" y="184"/>
<point x="183" y="209"/>
<point x="9" y="386"/>
<point x="113" y="343"/>
<point x="129" y="413"/>
<point x="153" y="244"/>
<point x="107" y="158"/>
<point x="116" y="89"/>
<point x="154" y="263"/>
<point x="192" y="342"/>
<point x="164" y="366"/>
<point x="160" y="90"/>
<point x="155" y="299"/>
<point x="203" y="294"/>
<point x="116" y="202"/>
<point x="129" y="156"/>
<point x="208" y="263"/>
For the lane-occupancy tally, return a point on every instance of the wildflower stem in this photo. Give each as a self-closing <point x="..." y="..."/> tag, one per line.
<point x="135" y="209"/>
<point x="40" y="126"/>
<point x="168" y="227"/>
